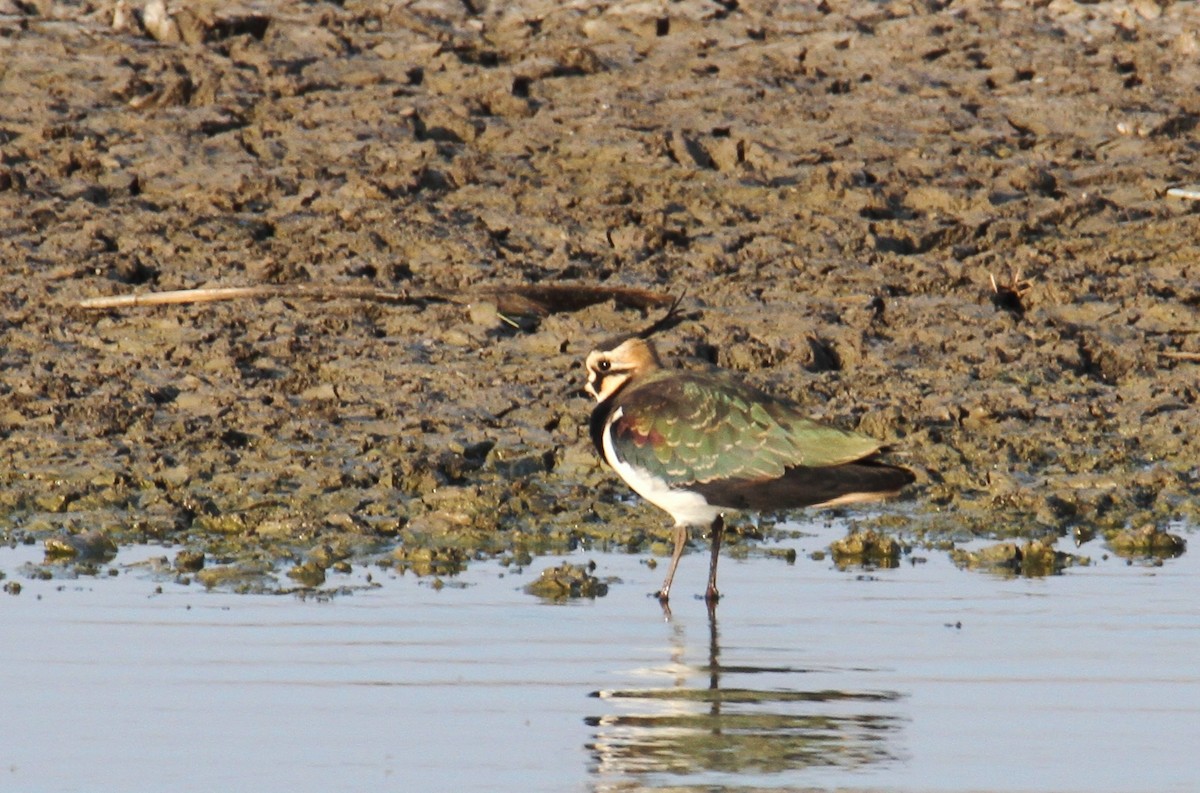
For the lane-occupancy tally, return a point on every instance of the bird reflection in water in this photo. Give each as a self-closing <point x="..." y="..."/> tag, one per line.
<point x="690" y="728"/>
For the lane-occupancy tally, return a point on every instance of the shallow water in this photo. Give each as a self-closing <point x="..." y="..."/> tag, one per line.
<point x="920" y="678"/>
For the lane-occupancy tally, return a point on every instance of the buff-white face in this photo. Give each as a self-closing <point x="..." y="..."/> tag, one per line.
<point x="608" y="370"/>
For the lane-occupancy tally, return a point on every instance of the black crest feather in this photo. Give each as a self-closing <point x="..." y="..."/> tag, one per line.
<point x="669" y="320"/>
<point x="672" y="318"/>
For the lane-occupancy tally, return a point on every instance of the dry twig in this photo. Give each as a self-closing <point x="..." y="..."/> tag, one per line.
<point x="517" y="299"/>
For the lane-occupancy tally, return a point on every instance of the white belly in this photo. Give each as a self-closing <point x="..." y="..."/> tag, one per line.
<point x="688" y="509"/>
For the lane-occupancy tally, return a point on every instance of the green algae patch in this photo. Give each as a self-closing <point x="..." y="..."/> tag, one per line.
<point x="423" y="561"/>
<point x="88" y="546"/>
<point x="189" y="561"/>
<point x="786" y="554"/>
<point x="568" y="581"/>
<point x="1032" y="559"/>
<point x="1148" y="542"/>
<point x="309" y="574"/>
<point x="867" y="547"/>
<point x="241" y="577"/>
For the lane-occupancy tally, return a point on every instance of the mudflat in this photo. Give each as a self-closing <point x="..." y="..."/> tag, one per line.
<point x="950" y="226"/>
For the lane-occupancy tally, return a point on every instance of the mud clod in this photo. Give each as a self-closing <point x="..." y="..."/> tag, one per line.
<point x="866" y="547"/>
<point x="189" y="561"/>
<point x="425" y="561"/>
<point x="309" y="574"/>
<point x="1149" y="541"/>
<point x="568" y="581"/>
<point x="1032" y="559"/>
<point x="246" y="577"/>
<point x="89" y="546"/>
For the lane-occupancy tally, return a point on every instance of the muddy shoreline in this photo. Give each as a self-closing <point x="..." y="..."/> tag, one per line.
<point x="945" y="226"/>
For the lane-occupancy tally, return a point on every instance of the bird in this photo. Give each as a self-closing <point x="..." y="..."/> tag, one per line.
<point x="699" y="444"/>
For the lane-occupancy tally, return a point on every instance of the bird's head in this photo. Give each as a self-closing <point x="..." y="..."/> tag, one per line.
<point x="618" y="362"/>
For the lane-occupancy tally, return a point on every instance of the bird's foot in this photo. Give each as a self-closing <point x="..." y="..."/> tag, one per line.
<point x="665" y="602"/>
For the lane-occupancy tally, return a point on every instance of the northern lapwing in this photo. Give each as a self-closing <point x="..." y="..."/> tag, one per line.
<point x="699" y="444"/>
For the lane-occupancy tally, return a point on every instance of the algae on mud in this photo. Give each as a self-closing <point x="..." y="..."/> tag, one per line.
<point x="866" y="548"/>
<point x="1032" y="559"/>
<point x="1147" y="542"/>
<point x="870" y="203"/>
<point x="568" y="581"/>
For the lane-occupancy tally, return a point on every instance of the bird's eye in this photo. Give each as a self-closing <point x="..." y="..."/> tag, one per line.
<point x="604" y="365"/>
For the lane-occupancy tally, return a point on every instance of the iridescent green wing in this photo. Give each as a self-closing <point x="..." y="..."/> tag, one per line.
<point x="690" y="427"/>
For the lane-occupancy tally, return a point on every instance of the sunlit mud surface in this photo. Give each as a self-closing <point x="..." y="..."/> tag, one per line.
<point x="948" y="227"/>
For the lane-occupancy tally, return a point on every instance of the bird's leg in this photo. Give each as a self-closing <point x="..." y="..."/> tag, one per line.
<point x="718" y="531"/>
<point x="680" y="537"/>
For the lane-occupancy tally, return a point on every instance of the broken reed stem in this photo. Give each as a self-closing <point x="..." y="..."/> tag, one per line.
<point x="214" y="294"/>
<point x="523" y="299"/>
